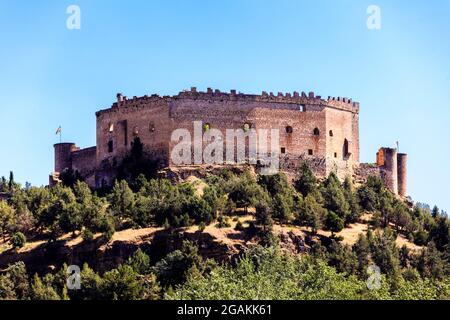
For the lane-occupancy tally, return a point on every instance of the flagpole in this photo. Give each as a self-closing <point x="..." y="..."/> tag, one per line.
<point x="59" y="131"/>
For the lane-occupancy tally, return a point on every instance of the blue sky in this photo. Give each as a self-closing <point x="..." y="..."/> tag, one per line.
<point x="400" y="74"/>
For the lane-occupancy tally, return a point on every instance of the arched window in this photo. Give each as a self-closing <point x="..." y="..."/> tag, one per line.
<point x="289" y="129"/>
<point x="110" y="146"/>
<point x="316" y="132"/>
<point x="151" y="127"/>
<point x="247" y="126"/>
<point x="206" y="127"/>
<point x="331" y="133"/>
<point x="111" y="127"/>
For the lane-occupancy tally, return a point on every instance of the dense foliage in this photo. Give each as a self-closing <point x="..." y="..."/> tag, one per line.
<point x="331" y="270"/>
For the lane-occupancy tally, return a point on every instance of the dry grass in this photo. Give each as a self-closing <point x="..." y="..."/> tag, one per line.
<point x="228" y="236"/>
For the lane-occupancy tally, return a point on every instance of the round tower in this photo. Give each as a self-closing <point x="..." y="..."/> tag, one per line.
<point x="390" y="166"/>
<point x="63" y="159"/>
<point x="402" y="174"/>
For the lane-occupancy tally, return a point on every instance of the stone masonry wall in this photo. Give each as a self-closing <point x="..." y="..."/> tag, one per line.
<point x="309" y="126"/>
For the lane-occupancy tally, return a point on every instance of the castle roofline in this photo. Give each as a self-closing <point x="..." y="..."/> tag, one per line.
<point x="342" y="103"/>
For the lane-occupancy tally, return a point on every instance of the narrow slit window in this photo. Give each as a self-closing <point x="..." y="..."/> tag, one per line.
<point x="110" y="146"/>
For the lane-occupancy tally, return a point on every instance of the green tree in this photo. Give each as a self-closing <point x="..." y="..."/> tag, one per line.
<point x="431" y="263"/>
<point x="305" y="182"/>
<point x="263" y="213"/>
<point x="342" y="258"/>
<point x="14" y="282"/>
<point x="18" y="240"/>
<point x="122" y="283"/>
<point x="334" y="223"/>
<point x="385" y="253"/>
<point x="362" y="250"/>
<point x="90" y="288"/>
<point x="144" y="211"/>
<point x="282" y="206"/>
<point x="352" y="199"/>
<point x="440" y="233"/>
<point x="435" y="212"/>
<point x="174" y="268"/>
<point x="6" y="288"/>
<point x="369" y="193"/>
<point x="140" y="262"/>
<point x="11" y="181"/>
<point x="42" y="291"/>
<point x="272" y="276"/>
<point x="245" y="192"/>
<point x="334" y="197"/>
<point x="61" y="202"/>
<point x="312" y="214"/>
<point x="276" y="184"/>
<point x="122" y="200"/>
<point x="6" y="218"/>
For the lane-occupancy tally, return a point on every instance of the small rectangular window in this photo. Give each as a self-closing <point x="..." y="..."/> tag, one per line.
<point x="283" y="150"/>
<point x="310" y="152"/>
<point x="335" y="154"/>
<point x="110" y="146"/>
<point x="301" y="108"/>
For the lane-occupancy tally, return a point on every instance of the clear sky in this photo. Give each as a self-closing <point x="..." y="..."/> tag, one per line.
<point x="51" y="76"/>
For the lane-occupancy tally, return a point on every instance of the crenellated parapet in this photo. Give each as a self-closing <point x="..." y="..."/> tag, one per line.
<point x="295" y="98"/>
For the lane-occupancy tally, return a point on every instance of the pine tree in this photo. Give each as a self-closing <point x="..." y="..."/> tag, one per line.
<point x="362" y="251"/>
<point x="11" y="181"/>
<point x="122" y="200"/>
<point x="435" y="212"/>
<point x="312" y="214"/>
<point x="306" y="182"/>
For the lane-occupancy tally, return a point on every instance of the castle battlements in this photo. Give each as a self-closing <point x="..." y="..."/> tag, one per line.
<point x="296" y="98"/>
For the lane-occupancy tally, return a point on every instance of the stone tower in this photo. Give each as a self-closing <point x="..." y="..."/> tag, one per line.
<point x="393" y="167"/>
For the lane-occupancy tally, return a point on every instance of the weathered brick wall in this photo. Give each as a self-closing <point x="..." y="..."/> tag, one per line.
<point x="365" y="170"/>
<point x="296" y="116"/>
<point x="146" y="118"/>
<point x="83" y="161"/>
<point x="234" y="114"/>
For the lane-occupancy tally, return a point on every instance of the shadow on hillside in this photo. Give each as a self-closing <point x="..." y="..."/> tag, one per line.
<point x="102" y="255"/>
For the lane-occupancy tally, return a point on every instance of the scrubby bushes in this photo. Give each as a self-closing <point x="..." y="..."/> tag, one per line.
<point x="271" y="274"/>
<point x="334" y="270"/>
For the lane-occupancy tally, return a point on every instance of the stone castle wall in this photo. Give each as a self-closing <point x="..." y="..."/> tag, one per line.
<point x="323" y="131"/>
<point x="154" y="118"/>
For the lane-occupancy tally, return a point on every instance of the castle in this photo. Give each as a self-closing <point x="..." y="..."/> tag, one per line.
<point x="324" y="132"/>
